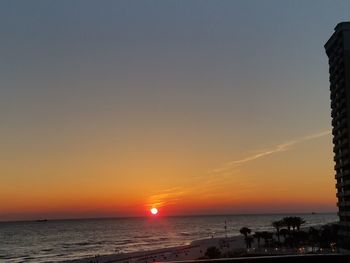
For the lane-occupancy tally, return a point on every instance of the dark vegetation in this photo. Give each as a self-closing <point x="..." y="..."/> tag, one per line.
<point x="288" y="234"/>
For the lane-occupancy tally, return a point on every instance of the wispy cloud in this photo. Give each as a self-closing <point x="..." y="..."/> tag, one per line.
<point x="278" y="148"/>
<point x="217" y="179"/>
<point x="166" y="197"/>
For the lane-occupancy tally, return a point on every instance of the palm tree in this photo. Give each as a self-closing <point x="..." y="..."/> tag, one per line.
<point x="297" y="222"/>
<point x="249" y="241"/>
<point x="288" y="222"/>
<point x="258" y="236"/>
<point x="245" y="231"/>
<point x="278" y="224"/>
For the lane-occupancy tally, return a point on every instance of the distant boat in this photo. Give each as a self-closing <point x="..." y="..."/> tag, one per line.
<point x="313" y="213"/>
<point x="41" y="220"/>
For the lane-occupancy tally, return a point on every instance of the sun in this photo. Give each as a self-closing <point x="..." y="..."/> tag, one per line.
<point x="154" y="211"/>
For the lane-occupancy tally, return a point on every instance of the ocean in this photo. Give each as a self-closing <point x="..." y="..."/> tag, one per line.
<point x="59" y="240"/>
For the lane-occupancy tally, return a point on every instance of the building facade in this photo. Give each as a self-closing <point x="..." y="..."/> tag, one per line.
<point x="338" y="52"/>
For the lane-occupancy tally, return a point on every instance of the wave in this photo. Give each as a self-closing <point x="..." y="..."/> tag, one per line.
<point x="47" y="249"/>
<point x="64" y="240"/>
<point x="142" y="236"/>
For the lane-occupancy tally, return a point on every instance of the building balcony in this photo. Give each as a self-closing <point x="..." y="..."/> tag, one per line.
<point x="338" y="100"/>
<point x="336" y="78"/>
<point x="344" y="233"/>
<point x="342" y="174"/>
<point x="333" y="79"/>
<point x="339" y="115"/>
<point x="345" y="183"/>
<point x="341" y="155"/>
<point x="343" y="143"/>
<point x="343" y="194"/>
<point x="334" y="113"/>
<point x="338" y="124"/>
<point x="337" y="89"/>
<point x="342" y="135"/>
<point x="336" y="69"/>
<point x="343" y="226"/>
<point x="344" y="213"/>
<point x="342" y="204"/>
<point x="341" y="165"/>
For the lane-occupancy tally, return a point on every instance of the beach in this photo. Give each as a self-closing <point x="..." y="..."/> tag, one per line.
<point x="195" y="250"/>
<point x="228" y="246"/>
<point x="133" y="239"/>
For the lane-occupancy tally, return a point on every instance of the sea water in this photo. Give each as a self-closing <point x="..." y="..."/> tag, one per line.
<point x="58" y="240"/>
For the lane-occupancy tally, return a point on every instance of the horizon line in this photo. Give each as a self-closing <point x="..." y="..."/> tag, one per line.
<point x="166" y="216"/>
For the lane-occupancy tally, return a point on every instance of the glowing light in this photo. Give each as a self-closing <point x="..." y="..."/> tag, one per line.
<point x="154" y="211"/>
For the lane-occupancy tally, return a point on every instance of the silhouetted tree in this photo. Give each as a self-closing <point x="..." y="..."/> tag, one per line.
<point x="249" y="241"/>
<point x="278" y="224"/>
<point x="293" y="222"/>
<point x="258" y="236"/>
<point x="288" y="222"/>
<point x="297" y="222"/>
<point x="245" y="231"/>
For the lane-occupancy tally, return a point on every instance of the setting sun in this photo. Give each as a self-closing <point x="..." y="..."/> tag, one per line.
<point x="154" y="211"/>
<point x="148" y="131"/>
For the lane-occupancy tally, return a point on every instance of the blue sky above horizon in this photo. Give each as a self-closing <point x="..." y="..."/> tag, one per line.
<point x="143" y="95"/>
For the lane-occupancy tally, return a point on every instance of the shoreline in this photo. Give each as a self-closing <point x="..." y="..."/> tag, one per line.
<point x="194" y="250"/>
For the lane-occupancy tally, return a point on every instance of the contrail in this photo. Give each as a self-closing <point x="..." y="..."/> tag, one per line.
<point x="221" y="174"/>
<point x="278" y="148"/>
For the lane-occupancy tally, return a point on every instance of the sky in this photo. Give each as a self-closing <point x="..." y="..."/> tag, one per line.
<point x="110" y="108"/>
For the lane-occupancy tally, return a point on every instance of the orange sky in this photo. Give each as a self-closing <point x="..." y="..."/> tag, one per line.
<point x="110" y="108"/>
<point x="294" y="175"/>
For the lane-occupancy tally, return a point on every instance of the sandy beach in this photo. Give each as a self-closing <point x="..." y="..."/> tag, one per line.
<point x="192" y="251"/>
<point x="195" y="250"/>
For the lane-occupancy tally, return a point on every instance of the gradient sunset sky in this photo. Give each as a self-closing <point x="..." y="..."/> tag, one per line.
<point x="108" y="108"/>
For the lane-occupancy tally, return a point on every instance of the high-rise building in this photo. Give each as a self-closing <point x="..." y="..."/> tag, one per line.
<point x="338" y="51"/>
